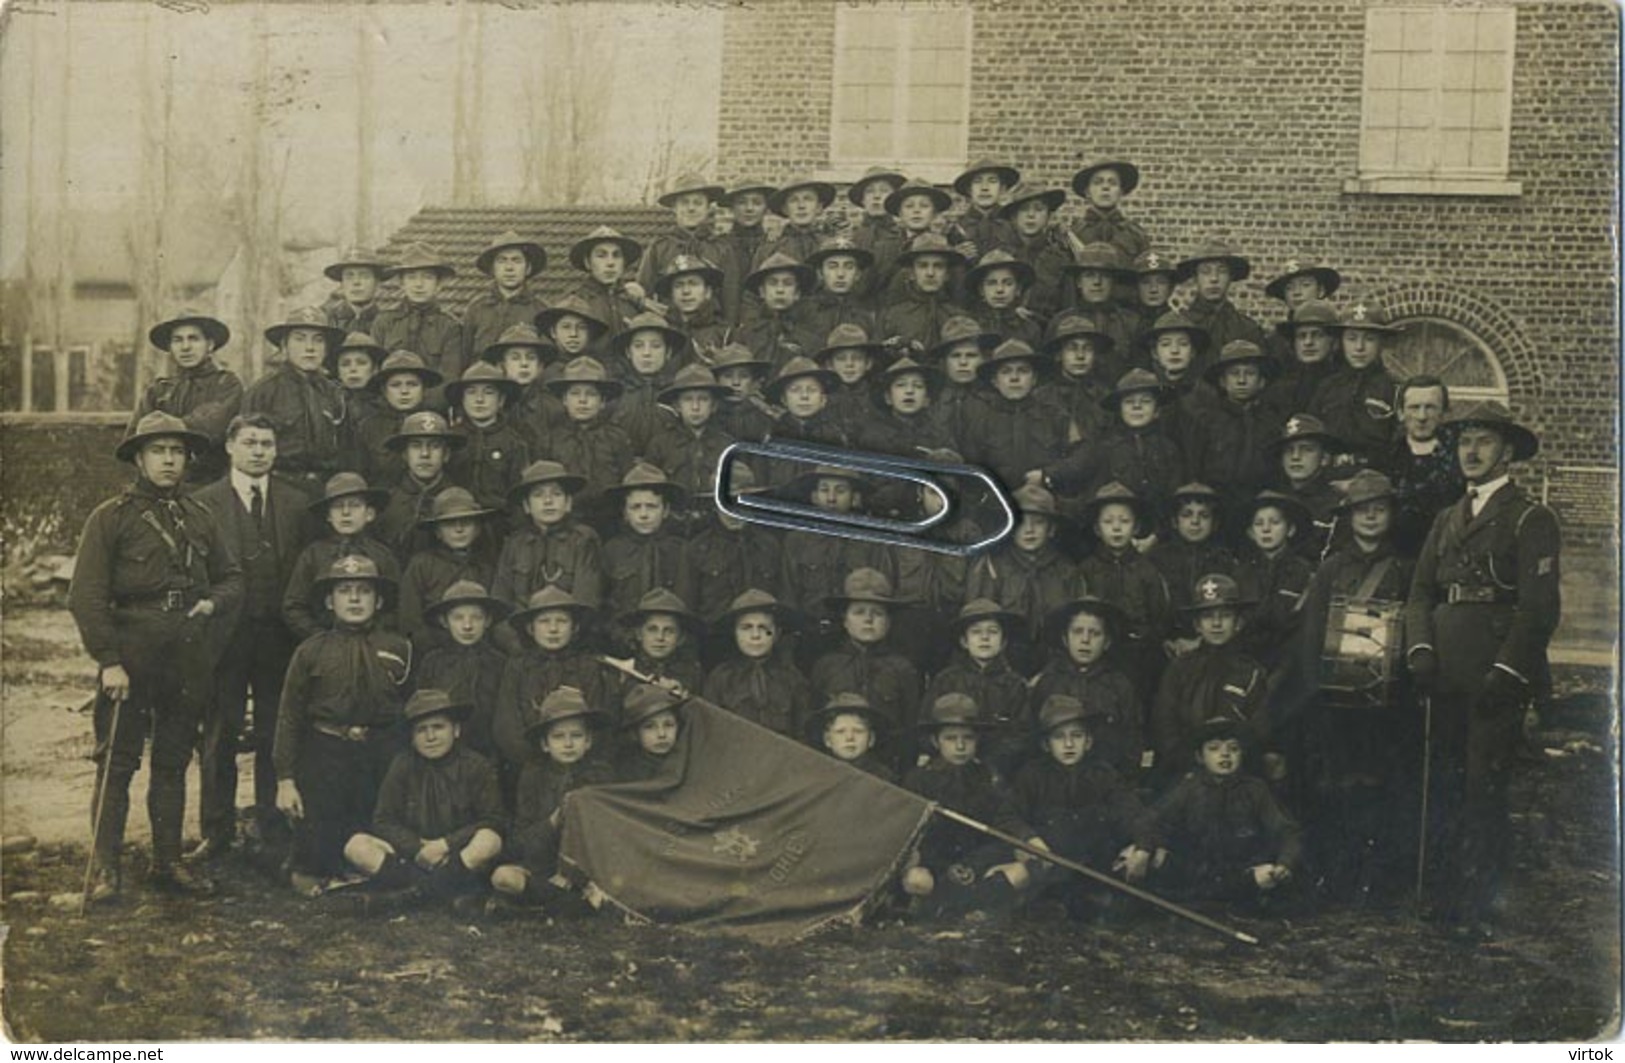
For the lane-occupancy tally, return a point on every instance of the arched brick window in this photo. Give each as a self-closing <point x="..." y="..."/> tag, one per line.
<point x="1435" y="347"/>
<point x="1473" y="345"/>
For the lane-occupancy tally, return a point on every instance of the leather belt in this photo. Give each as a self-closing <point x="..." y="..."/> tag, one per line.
<point x="164" y="601"/>
<point x="353" y="733"/>
<point x="1477" y="594"/>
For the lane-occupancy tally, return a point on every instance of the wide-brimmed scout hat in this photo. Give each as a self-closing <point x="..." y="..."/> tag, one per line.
<point x="687" y="266"/>
<point x="646" y="700"/>
<point x="1214" y="251"/>
<point x="733" y="355"/>
<point x="1073" y="323"/>
<point x="544" y="471"/>
<point x="1150" y="263"/>
<point x="916" y="187"/>
<point x="419" y="255"/>
<point x="1036" y="499"/>
<point x="731" y="196"/>
<point x="1241" y="352"/>
<point x="755" y="600"/>
<point x="1061" y="709"/>
<point x="1306" y="426"/>
<point x="880" y="721"/>
<point x="160" y="425"/>
<point x="840" y="244"/>
<point x="962" y="329"/>
<point x="978" y="609"/>
<point x="1221" y="727"/>
<point x="1195" y="492"/>
<point x="883" y="379"/>
<point x="1368" y="318"/>
<point x="1319" y="313"/>
<point x="661" y="600"/>
<point x="691" y="182"/>
<point x="1023" y="193"/>
<point x="676" y="339"/>
<point x="929" y="244"/>
<point x="535" y="253"/>
<point x="1060" y="618"/>
<point x="1174" y="321"/>
<point x="1367" y="485"/>
<point x="548" y="598"/>
<point x="467" y="592"/>
<point x="694" y="377"/>
<point x="1296" y="513"/>
<point x="864" y="585"/>
<point x="347" y="485"/>
<point x="351" y="567"/>
<point x="571" y="305"/>
<point x="404" y="362"/>
<point x="999" y="258"/>
<point x="1115" y="493"/>
<point x="846" y="336"/>
<point x="1013" y="351"/>
<point x="1127" y="173"/>
<point x="429" y="702"/>
<point x="955" y="710"/>
<point x="631" y="250"/>
<point x="425" y="424"/>
<point x="521" y="335"/>
<point x="1495" y="416"/>
<point x="1217" y="591"/>
<point x="306" y="317"/>
<point x="645" y="476"/>
<point x="1292" y="268"/>
<point x="584" y="369"/>
<point x="795" y="368"/>
<point x="212" y="327"/>
<point x="780" y="262"/>
<point x="1136" y="380"/>
<point x="804" y="484"/>
<point x="357" y="258"/>
<point x="1099" y="257"/>
<point x="822" y="189"/>
<point x="870" y="176"/>
<point x="564" y="703"/>
<point x="358" y="341"/>
<point x="1008" y="175"/>
<point x="454" y="503"/>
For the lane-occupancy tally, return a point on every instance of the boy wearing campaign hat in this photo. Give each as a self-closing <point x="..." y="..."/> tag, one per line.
<point x="692" y="200"/>
<point x="1093" y="278"/>
<point x="1029" y="575"/>
<point x="1102" y="184"/>
<point x="353" y="363"/>
<point x="199" y="391"/>
<point x="841" y="298"/>
<point x="747" y="206"/>
<point x="1225" y="446"/>
<point x="959" y="352"/>
<point x="1213" y="268"/>
<point x="1118" y="571"/>
<point x="553" y="627"/>
<point x="1154" y="284"/>
<point x="643" y="360"/>
<point x="608" y="290"/>
<point x="1135" y="450"/>
<point x="403" y="384"/>
<point x="554" y="546"/>
<point x="801" y="202"/>
<point x="816" y="563"/>
<point x="725" y="556"/>
<point x="983" y="185"/>
<point x="960" y="870"/>
<point x="996" y="293"/>
<point x="1358" y="401"/>
<point x="849" y="729"/>
<point x="521" y="354"/>
<point x="863" y="660"/>
<point x="758" y="678"/>
<point x="1218" y="678"/>
<point x="466" y="663"/>
<point x="922" y="298"/>
<point x="848" y="353"/>
<point x="437" y="828"/>
<point x="1190" y="545"/>
<point x="877" y="230"/>
<point x="459" y="552"/>
<point x="803" y="390"/>
<point x="1271" y="572"/>
<point x="644" y="553"/>
<point x="420" y="323"/>
<point x="1010" y="429"/>
<point x="1076" y="345"/>
<point x="663" y="637"/>
<point x="512" y="262"/>
<point x="564" y="728"/>
<point x="907" y="422"/>
<point x="980" y="668"/>
<point x="1080" y="635"/>
<point x="744" y="412"/>
<point x="777" y="331"/>
<point x="423" y="445"/>
<point x="355" y="304"/>
<point x="307" y="408"/>
<point x="349" y="507"/>
<point x="1304" y="451"/>
<point x="1079" y="804"/>
<point x="1039" y="243"/>
<point x="1312" y="354"/>
<point x="337" y="722"/>
<point x="496" y="453"/>
<point x="917" y="205"/>
<point x="690" y="289"/>
<point x="687" y="446"/>
<point x="651" y="723"/>
<point x="588" y="440"/>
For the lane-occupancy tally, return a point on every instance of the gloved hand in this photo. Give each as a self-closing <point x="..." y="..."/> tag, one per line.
<point x="1424" y="668"/>
<point x="1502" y="690"/>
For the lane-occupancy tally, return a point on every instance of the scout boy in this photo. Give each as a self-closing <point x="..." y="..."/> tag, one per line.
<point x="403" y="382"/>
<point x="960" y="351"/>
<point x="466" y="663"/>
<point x="644" y="554"/>
<point x="644" y="360"/>
<point x="906" y="423"/>
<point x="437" y="827"/>
<point x="1039" y="244"/>
<point x="1080" y="635"/>
<point x="801" y="203"/>
<point x="777" y="332"/>
<point x="743" y="412"/>
<point x="664" y="637"/>
<point x="1009" y="429"/>
<point x="1214" y="268"/>
<point x="496" y="452"/>
<point x="848" y="728"/>
<point x="1304" y="451"/>
<point x="842" y="268"/>
<point x="419" y="323"/>
<point x="747" y="206"/>
<point x="691" y="200"/>
<point x="458" y="523"/>
<point x="554" y="548"/>
<point x="1271" y="572"/>
<point x="1312" y="337"/>
<point x="650" y="719"/>
<point x="690" y="289"/>
<point x="996" y="290"/>
<point x="1102" y="185"/>
<point x="848" y="353"/>
<point x="354" y="363"/>
<point x="1357" y="401"/>
<point x="877" y="230"/>
<point x="1154" y="283"/>
<point x="980" y="668"/>
<point x="588" y="440"/>
<point x="307" y="408"/>
<point x="355" y="305"/>
<point x="349" y="507"/>
<point x="511" y="261"/>
<point x="687" y="448"/>
<point x="571" y="327"/>
<point x="1190" y="548"/>
<point x="553" y="626"/>
<point x="983" y="185"/>
<point x="924" y="299"/>
<point x="725" y="556"/>
<point x="200" y="392"/>
<point x="153" y="566"/>
<point x="1226" y="446"/>
<point x="610" y="295"/>
<point x="1030" y="576"/>
<point x="336" y="724"/>
<point x="424" y="446"/>
<point x="1119" y="573"/>
<point x="1093" y="276"/>
<point x="917" y="205"/>
<point x="803" y="389"/>
<point x="759" y="679"/>
<point x="520" y="354"/>
<point x="1075" y="344"/>
<point x="1136" y="451"/>
<point x="863" y="661"/>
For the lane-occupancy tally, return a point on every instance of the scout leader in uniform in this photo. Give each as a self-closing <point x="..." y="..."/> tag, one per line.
<point x="153" y="566"/>
<point x="1483" y="605"/>
<point x="200" y="391"/>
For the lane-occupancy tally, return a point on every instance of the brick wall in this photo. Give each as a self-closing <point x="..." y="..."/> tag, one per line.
<point x="1244" y="118"/>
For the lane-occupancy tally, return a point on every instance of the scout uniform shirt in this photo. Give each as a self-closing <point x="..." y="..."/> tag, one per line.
<point x="428" y="574"/>
<point x="1084" y="811"/>
<point x="770" y="691"/>
<point x="529" y="677"/>
<point x="1210" y="682"/>
<point x="491" y="313"/>
<point x="309" y="412"/>
<point x="1216" y="827"/>
<point x="424" y="329"/>
<point x="492" y="462"/>
<point x="566" y="554"/>
<point x="720" y="563"/>
<point x="1118" y="732"/>
<point x="338" y="679"/>
<point x="1357" y="406"/>
<point x="472" y="675"/>
<point x="315" y="561"/>
<point x="206" y="397"/>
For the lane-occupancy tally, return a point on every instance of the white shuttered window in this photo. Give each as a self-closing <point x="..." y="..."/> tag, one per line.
<point x="902" y="85"/>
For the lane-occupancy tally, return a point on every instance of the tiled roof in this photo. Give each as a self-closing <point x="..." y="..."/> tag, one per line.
<point x="461" y="233"/>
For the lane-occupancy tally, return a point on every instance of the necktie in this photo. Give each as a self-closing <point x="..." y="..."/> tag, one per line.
<point x="1475" y="500"/>
<point x="256" y="504"/>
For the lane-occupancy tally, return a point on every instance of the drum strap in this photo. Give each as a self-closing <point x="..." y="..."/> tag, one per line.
<point x="1373" y="580"/>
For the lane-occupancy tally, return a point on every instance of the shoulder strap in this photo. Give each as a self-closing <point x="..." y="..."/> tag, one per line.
<point x="1373" y="579"/>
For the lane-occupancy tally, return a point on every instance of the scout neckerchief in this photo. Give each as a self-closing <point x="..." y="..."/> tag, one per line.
<point x="176" y="532"/>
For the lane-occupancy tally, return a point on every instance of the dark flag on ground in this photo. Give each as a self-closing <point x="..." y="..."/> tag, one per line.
<point x="742" y="830"/>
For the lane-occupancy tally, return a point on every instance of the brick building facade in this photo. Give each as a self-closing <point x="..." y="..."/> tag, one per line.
<point x="1246" y="121"/>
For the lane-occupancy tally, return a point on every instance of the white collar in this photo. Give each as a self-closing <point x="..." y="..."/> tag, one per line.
<point x="1420" y="447"/>
<point x="1481" y="493"/>
<point x="244" y="485"/>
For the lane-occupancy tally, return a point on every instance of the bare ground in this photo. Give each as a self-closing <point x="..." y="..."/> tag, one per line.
<point x="254" y="963"/>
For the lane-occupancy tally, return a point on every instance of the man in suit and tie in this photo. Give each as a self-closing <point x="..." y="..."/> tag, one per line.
<point x="265" y="518"/>
<point x="1483" y="605"/>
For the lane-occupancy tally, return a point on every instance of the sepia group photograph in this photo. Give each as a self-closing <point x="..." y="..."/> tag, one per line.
<point x="810" y="521"/>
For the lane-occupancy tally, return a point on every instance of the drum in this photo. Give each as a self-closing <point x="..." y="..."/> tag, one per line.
<point x="1360" y="659"/>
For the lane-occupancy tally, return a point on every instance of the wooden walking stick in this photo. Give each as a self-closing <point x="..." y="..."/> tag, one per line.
<point x="1422" y="827"/>
<point x="103" y="771"/>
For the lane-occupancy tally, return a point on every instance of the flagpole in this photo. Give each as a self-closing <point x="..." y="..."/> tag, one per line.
<point x="1095" y="876"/>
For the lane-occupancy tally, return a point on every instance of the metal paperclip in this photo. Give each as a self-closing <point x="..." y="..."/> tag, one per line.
<point x="763" y="508"/>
